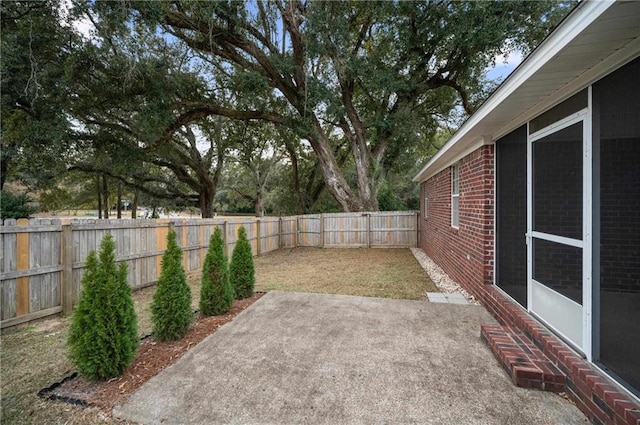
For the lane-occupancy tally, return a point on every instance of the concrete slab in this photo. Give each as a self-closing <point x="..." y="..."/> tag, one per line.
<point x="459" y="301"/>
<point x="436" y="297"/>
<point x="329" y="359"/>
<point x="441" y="297"/>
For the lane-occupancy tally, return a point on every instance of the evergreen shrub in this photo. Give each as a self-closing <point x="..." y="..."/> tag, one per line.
<point x="242" y="269"/>
<point x="171" y="311"/>
<point x="15" y="206"/>
<point x="216" y="293"/>
<point x="103" y="337"/>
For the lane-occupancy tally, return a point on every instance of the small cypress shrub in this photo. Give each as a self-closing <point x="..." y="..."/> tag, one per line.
<point x="171" y="307"/>
<point x="216" y="293"/>
<point x="242" y="270"/>
<point x="103" y="337"/>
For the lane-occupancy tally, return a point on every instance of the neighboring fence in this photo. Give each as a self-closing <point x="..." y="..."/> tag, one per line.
<point x="42" y="260"/>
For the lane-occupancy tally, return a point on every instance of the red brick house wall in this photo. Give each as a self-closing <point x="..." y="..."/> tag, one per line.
<point x="465" y="253"/>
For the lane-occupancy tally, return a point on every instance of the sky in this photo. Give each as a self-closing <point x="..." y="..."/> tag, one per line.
<point x="504" y="66"/>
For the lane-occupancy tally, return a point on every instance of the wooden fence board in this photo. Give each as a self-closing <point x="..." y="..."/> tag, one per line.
<point x="8" y="302"/>
<point x="289" y="234"/>
<point x="33" y="267"/>
<point x="309" y="230"/>
<point x="269" y="234"/>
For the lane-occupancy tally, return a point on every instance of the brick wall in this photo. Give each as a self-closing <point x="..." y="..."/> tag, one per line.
<point x="595" y="394"/>
<point x="465" y="253"/>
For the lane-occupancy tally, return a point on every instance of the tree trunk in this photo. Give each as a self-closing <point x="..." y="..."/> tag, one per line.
<point x="205" y="200"/>
<point x="4" y="168"/>
<point x="360" y="150"/>
<point x="105" y="197"/>
<point x="119" y="203"/>
<point x="300" y="208"/>
<point x="208" y="186"/>
<point x="259" y="203"/>
<point x="333" y="177"/>
<point x="134" y="206"/>
<point x="99" y="191"/>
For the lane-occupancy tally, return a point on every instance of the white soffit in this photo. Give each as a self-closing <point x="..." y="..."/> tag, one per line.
<point x="595" y="39"/>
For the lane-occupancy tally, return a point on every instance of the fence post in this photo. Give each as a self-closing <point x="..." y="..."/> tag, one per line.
<point x="203" y="252"/>
<point x="417" y="229"/>
<point x="279" y="232"/>
<point x="258" y="236"/>
<point x="22" y="263"/>
<point x="225" y="238"/>
<point x="321" y="230"/>
<point x="66" y="242"/>
<point x="297" y="232"/>
<point x="368" y="230"/>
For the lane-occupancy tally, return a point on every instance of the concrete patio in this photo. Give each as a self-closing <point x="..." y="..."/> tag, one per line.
<point x="333" y="359"/>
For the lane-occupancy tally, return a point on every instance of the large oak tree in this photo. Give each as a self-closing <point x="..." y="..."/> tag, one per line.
<point x="374" y="76"/>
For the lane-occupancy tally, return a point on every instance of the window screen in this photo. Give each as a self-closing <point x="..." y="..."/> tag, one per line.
<point x="557" y="183"/>
<point x="558" y="267"/>
<point x="511" y="214"/>
<point x="617" y="105"/>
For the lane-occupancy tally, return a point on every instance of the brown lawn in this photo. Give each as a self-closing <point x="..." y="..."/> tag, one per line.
<point x="388" y="273"/>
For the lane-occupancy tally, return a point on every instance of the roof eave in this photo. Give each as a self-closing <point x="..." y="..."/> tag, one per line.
<point x="577" y="21"/>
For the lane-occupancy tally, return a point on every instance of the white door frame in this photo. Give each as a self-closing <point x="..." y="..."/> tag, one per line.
<point x="583" y="116"/>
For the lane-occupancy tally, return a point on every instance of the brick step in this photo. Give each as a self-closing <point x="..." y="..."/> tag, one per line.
<point x="523" y="361"/>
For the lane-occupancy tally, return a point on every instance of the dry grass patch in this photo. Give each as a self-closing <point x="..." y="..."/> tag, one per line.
<point x="388" y="273"/>
<point x="34" y="356"/>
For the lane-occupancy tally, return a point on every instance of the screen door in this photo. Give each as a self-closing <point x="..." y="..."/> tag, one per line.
<point x="555" y="242"/>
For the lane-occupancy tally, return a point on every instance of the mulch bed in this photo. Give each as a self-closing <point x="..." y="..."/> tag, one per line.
<point x="152" y="357"/>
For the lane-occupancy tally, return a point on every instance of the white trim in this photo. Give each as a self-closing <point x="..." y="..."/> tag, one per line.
<point x="495" y="214"/>
<point x="555" y="330"/>
<point x="560" y="124"/>
<point x="576" y="243"/>
<point x="616" y="60"/>
<point x="455" y="170"/>
<point x="587" y="229"/>
<point x="477" y="144"/>
<point x="529" y="222"/>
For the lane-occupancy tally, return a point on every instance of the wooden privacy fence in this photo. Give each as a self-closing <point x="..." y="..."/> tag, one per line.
<point x="42" y="260"/>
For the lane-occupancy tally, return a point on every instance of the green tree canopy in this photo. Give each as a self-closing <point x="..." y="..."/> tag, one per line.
<point x="368" y="77"/>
